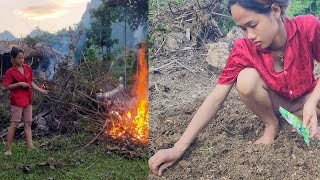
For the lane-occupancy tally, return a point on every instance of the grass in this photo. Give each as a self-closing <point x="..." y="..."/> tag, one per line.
<point x="93" y="162"/>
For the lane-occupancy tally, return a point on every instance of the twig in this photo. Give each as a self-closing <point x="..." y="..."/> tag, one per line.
<point x="183" y="16"/>
<point x="87" y="96"/>
<point x="221" y="14"/>
<point x="158" y="90"/>
<point x="230" y="132"/>
<point x="93" y="112"/>
<point x="161" y="45"/>
<point x="183" y="66"/>
<point x="179" y="50"/>
<point x="95" y="138"/>
<point x="188" y="20"/>
<point x="155" y="69"/>
<point x="83" y="56"/>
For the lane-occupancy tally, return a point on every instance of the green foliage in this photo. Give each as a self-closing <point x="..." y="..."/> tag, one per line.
<point x="125" y="64"/>
<point x="225" y="23"/>
<point x="30" y="40"/>
<point x="91" y="54"/>
<point x="93" y="162"/>
<point x="154" y="7"/>
<point x="159" y="28"/>
<point x="300" y="7"/>
<point x="100" y="31"/>
<point x="134" y="12"/>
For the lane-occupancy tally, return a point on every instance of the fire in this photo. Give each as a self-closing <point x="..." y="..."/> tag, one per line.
<point x="133" y="124"/>
<point x="44" y="85"/>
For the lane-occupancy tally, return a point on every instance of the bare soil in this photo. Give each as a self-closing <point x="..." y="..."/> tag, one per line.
<point x="224" y="150"/>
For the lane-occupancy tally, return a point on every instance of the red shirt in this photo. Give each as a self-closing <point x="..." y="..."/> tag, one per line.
<point x="19" y="96"/>
<point x="302" y="48"/>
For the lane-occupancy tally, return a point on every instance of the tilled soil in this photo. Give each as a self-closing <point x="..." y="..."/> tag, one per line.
<point x="224" y="150"/>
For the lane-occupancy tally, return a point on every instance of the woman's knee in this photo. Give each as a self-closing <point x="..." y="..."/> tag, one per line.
<point x="249" y="81"/>
<point x="27" y="124"/>
<point x="14" y="124"/>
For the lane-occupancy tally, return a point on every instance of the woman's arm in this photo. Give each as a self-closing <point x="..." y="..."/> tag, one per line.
<point x="34" y="86"/>
<point x="310" y="119"/>
<point x="15" y="85"/>
<point x="204" y="115"/>
<point x="165" y="158"/>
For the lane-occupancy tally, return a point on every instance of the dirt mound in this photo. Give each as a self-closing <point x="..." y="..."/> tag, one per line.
<point x="179" y="83"/>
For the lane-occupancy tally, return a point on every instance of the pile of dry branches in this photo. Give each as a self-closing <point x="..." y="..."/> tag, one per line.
<point x="73" y="95"/>
<point x="194" y="19"/>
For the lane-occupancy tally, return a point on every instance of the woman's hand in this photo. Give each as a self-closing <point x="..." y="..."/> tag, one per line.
<point x="163" y="159"/>
<point x="310" y="119"/>
<point x="44" y="92"/>
<point x="24" y="85"/>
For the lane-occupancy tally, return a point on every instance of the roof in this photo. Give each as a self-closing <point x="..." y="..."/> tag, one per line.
<point x="47" y="51"/>
<point x="6" y="46"/>
<point x="39" y="49"/>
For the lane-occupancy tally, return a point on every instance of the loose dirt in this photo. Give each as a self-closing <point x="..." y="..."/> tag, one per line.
<point x="224" y="150"/>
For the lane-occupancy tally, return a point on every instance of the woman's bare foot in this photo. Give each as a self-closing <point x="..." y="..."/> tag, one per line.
<point x="8" y="153"/>
<point x="30" y="148"/>
<point x="270" y="133"/>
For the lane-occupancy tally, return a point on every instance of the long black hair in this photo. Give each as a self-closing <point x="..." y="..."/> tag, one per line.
<point x="15" y="51"/>
<point x="260" y="6"/>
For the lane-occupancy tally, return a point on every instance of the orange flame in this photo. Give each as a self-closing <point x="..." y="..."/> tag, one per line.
<point x="134" y="122"/>
<point x="44" y="85"/>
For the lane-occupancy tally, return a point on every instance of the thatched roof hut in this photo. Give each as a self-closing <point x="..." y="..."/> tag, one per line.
<point x="46" y="51"/>
<point x="39" y="53"/>
<point x="6" y="46"/>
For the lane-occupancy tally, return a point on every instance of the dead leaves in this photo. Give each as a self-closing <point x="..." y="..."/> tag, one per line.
<point x="50" y="162"/>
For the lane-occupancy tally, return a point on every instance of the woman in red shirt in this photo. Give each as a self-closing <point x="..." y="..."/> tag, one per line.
<point x="271" y="67"/>
<point x="18" y="79"/>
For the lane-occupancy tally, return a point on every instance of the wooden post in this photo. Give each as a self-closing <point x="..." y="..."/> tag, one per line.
<point x="1" y="64"/>
<point x="125" y="46"/>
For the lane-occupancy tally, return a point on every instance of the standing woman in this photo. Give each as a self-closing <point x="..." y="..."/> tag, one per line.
<point x="18" y="79"/>
<point x="271" y="67"/>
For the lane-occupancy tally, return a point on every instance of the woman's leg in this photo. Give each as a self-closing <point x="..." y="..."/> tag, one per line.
<point x="27" y="117"/>
<point x="10" y="136"/>
<point x="16" y="113"/>
<point x="28" y="133"/>
<point x="254" y="93"/>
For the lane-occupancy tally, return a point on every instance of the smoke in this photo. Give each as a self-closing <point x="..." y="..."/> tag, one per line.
<point x="139" y="34"/>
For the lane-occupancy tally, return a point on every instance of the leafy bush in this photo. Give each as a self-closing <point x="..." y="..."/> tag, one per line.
<point x="299" y="7"/>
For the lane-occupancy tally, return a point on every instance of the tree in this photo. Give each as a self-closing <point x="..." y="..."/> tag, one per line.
<point x="100" y="31"/>
<point x="135" y="12"/>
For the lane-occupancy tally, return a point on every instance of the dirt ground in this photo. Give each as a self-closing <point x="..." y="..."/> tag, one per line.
<point x="224" y="150"/>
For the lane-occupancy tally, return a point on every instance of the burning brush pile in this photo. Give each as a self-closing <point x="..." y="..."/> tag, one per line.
<point x="87" y="94"/>
<point x="129" y="125"/>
